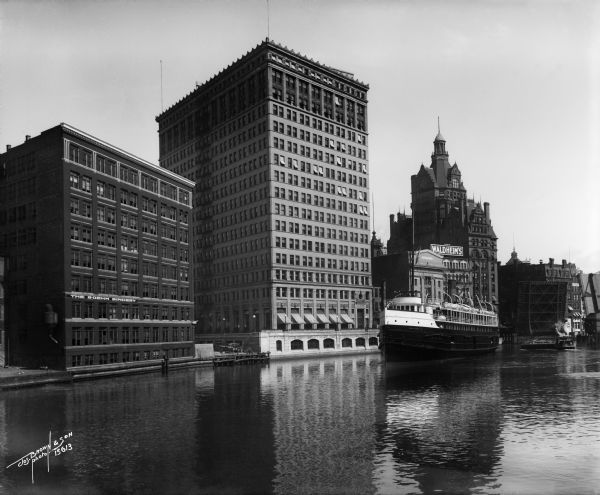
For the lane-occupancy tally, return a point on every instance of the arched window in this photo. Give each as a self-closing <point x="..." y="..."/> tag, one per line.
<point x="328" y="344"/>
<point x="360" y="342"/>
<point x="313" y="344"/>
<point x="373" y="341"/>
<point x="346" y="342"/>
<point x="297" y="345"/>
<point x="279" y="346"/>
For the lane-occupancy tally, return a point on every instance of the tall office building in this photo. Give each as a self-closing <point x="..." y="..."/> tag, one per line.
<point x="98" y="249"/>
<point x="277" y="146"/>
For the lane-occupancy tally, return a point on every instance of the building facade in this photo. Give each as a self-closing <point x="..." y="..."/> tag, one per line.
<point x="445" y="220"/>
<point x="392" y="273"/>
<point x="3" y="349"/>
<point x="99" y="247"/>
<point x="535" y="297"/>
<point x="278" y="147"/>
<point x="590" y="283"/>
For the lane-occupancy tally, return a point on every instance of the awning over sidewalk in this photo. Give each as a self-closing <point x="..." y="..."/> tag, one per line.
<point x="283" y="318"/>
<point x="296" y="318"/>
<point x="346" y="318"/>
<point x="310" y="318"/>
<point x="334" y="318"/>
<point x="322" y="318"/>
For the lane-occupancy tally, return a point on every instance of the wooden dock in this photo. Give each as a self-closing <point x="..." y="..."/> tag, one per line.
<point x="241" y="358"/>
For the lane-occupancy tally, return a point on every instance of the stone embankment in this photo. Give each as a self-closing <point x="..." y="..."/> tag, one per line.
<point x="13" y="377"/>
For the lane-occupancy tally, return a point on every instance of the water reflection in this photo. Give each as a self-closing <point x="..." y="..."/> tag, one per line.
<point x="442" y="427"/>
<point x="324" y="423"/>
<point x="551" y="433"/>
<point x="511" y="422"/>
<point x="234" y="425"/>
<point x="125" y="432"/>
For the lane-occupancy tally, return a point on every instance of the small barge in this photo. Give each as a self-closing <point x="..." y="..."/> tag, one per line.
<point x="241" y="358"/>
<point x="560" y="340"/>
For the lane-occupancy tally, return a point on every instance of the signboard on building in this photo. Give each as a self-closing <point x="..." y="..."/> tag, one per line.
<point x="103" y="298"/>
<point x="447" y="249"/>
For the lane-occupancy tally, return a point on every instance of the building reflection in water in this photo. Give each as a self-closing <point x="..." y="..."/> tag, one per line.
<point x="149" y="418"/>
<point x="346" y="424"/>
<point x="26" y="426"/>
<point x="234" y="426"/>
<point x="442" y="428"/>
<point x="130" y="435"/>
<point x="325" y="412"/>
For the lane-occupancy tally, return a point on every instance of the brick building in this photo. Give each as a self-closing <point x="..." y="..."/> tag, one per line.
<point x="3" y="349"/>
<point x="98" y="245"/>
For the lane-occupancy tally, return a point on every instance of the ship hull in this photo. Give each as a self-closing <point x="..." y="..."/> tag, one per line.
<point x="405" y="343"/>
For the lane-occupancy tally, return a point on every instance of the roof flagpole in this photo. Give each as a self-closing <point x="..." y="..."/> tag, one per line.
<point x="268" y="21"/>
<point x="162" y="108"/>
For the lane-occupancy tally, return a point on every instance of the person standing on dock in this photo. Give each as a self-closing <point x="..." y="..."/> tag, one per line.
<point x="165" y="364"/>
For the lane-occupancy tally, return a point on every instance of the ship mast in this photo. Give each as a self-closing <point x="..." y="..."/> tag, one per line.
<point x="412" y="254"/>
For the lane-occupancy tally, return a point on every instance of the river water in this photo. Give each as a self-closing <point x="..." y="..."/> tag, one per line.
<point x="512" y="422"/>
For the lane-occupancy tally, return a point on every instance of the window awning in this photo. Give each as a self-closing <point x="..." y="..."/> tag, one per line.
<point x="322" y="318"/>
<point x="296" y="318"/>
<point x="283" y="318"/>
<point x="346" y="318"/>
<point x="310" y="319"/>
<point x="334" y="318"/>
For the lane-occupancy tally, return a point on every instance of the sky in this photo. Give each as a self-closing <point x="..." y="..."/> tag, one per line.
<point x="515" y="84"/>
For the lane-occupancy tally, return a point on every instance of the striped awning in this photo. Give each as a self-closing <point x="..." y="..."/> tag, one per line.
<point x="322" y="318"/>
<point x="334" y="318"/>
<point x="296" y="318"/>
<point x="310" y="318"/>
<point x="283" y="318"/>
<point x="346" y="318"/>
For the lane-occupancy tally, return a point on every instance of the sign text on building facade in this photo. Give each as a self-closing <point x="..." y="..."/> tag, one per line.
<point x="447" y="249"/>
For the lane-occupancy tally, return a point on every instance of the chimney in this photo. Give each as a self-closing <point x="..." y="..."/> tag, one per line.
<point x="564" y="263"/>
<point x="27" y="137"/>
<point x="486" y="208"/>
<point x="8" y="146"/>
<point x="551" y="262"/>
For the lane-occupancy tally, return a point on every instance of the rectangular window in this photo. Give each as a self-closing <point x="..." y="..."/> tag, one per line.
<point x="76" y="336"/>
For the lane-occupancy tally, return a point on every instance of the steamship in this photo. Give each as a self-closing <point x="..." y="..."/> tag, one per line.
<point x="415" y="330"/>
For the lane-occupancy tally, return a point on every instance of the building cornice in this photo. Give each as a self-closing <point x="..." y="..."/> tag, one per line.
<point x="266" y="46"/>
<point x="84" y="136"/>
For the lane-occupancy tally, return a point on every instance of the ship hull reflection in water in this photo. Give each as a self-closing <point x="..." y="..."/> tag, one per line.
<point x="442" y="427"/>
